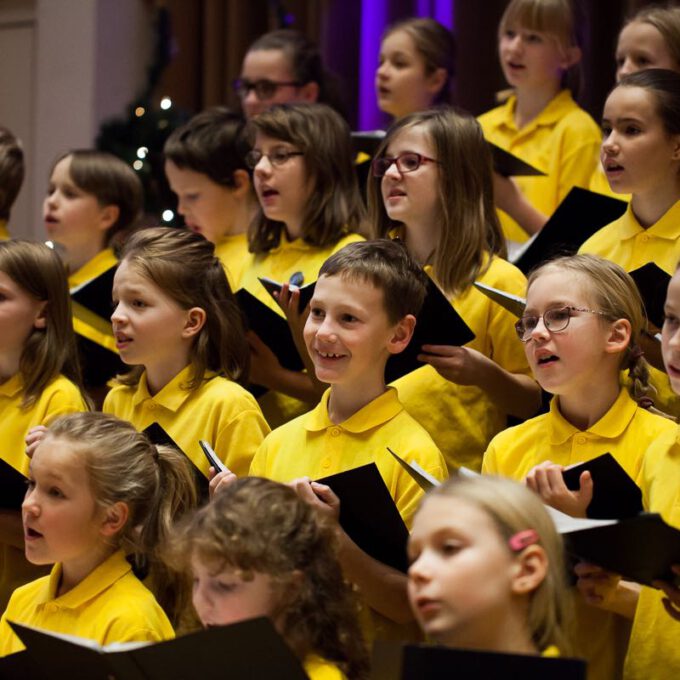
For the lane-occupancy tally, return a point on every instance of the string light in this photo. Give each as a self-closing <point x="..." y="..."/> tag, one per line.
<point x="166" y="103"/>
<point x="142" y="151"/>
<point x="138" y="165"/>
<point x="140" y="111"/>
<point x="168" y="215"/>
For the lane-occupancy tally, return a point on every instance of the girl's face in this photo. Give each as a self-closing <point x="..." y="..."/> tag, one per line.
<point x="412" y="198"/>
<point x="401" y="81"/>
<point x="670" y="333"/>
<point x="62" y="521"/>
<point x="74" y="218"/>
<point x="20" y="313"/>
<point x="640" y="47"/>
<point x="207" y="207"/>
<point x="284" y="189"/>
<point x="570" y="361"/>
<point x="533" y="60"/>
<point x="225" y="597"/>
<point x="460" y="582"/>
<point x="637" y="154"/>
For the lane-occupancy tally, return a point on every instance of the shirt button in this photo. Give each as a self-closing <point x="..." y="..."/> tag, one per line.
<point x="326" y="463"/>
<point x="335" y="432"/>
<point x="645" y="238"/>
<point x="581" y="439"/>
<point x="150" y="405"/>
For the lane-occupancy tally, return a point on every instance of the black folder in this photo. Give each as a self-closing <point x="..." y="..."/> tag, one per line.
<point x="512" y="303"/>
<point x="158" y="435"/>
<point x="95" y="294"/>
<point x="306" y="292"/>
<point x="641" y="548"/>
<point x="12" y="487"/>
<point x="509" y="165"/>
<point x="575" y="220"/>
<point x="369" y="516"/>
<point x="652" y="282"/>
<point x="438" y="323"/>
<point x="18" y="666"/>
<point x="367" y="141"/>
<point x="394" y="661"/>
<point x="248" y="650"/>
<point x="615" y="494"/>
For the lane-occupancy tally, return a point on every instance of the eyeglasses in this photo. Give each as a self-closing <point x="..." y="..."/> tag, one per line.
<point x="276" y="158"/>
<point x="264" y="89"/>
<point x="406" y="162"/>
<point x="555" y="320"/>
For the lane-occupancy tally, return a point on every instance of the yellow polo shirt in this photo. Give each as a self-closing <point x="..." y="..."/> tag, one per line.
<point x="220" y="411"/>
<point x="60" y="396"/>
<point x="625" y="431"/>
<point x="318" y="668"/>
<point x="110" y="605"/>
<point x="654" y="650"/>
<point x="280" y="263"/>
<point x="232" y="252"/>
<point x="313" y="446"/>
<point x="4" y="233"/>
<point x="563" y="141"/>
<point x="462" y="419"/>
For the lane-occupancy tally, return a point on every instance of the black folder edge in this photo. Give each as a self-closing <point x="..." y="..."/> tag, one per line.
<point x="652" y="282"/>
<point x="99" y="288"/>
<point x="12" y="487"/>
<point x="512" y="303"/>
<point x="421" y="477"/>
<point x="615" y="494"/>
<point x="306" y="292"/>
<point x="369" y="515"/>
<point x="509" y="165"/>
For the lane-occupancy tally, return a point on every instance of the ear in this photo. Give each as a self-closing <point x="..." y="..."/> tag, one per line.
<point x="115" y="518"/>
<point x="619" y="336"/>
<point x="531" y="567"/>
<point x="676" y="147"/>
<point x="571" y="56"/>
<point x="40" y="320"/>
<point x="242" y="183"/>
<point x="195" y="320"/>
<point x="402" y="334"/>
<point x="108" y="216"/>
<point x="436" y="80"/>
<point x="309" y="92"/>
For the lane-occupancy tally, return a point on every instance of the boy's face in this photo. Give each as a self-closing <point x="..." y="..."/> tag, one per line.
<point x="348" y="334"/>
<point x="670" y="333"/>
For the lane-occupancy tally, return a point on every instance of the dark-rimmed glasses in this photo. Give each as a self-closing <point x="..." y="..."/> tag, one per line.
<point x="264" y="89"/>
<point x="555" y="320"/>
<point x="406" y="162"/>
<point x="276" y="158"/>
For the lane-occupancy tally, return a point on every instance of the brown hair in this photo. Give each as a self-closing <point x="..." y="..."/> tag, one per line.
<point x="257" y="525"/>
<point x="436" y="44"/>
<point x="666" y="20"/>
<point x="513" y="508"/>
<point x="388" y="266"/>
<point x="335" y="206"/>
<point x="155" y="482"/>
<point x="51" y="350"/>
<point x="183" y="265"/>
<point x="112" y="182"/>
<point x="11" y="171"/>
<point x="470" y="231"/>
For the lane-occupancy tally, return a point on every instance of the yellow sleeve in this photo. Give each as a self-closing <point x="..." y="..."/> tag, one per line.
<point x="489" y="461"/>
<point x="65" y="399"/>
<point x="258" y="466"/>
<point x="240" y="439"/>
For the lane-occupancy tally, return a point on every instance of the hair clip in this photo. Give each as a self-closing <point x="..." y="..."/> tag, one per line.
<point x="523" y="539"/>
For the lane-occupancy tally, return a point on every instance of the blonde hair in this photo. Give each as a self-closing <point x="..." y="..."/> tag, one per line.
<point x="470" y="232"/>
<point x="155" y="482"/>
<point x="513" y="508"/>
<point x="666" y="20"/>
<point x="257" y="525"/>
<point x="183" y="265"/>
<point x="612" y="291"/>
<point x="49" y="351"/>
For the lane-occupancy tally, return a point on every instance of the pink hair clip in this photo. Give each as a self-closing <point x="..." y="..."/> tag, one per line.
<point x="523" y="539"/>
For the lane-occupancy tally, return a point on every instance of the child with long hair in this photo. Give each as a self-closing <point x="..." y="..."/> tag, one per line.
<point x="432" y="188"/>
<point x="99" y="492"/>
<point x="487" y="569"/>
<point x="39" y="373"/>
<point x="539" y="44"/>
<point x="258" y="550"/>
<point x="580" y="329"/>
<point x="303" y="171"/>
<point x="206" y="169"/>
<point x="416" y="66"/>
<point x="177" y="323"/>
<point x="11" y="176"/>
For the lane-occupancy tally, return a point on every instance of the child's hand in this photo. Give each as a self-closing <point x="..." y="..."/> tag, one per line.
<point x="289" y="301"/>
<point x="319" y="496"/>
<point x="672" y="600"/>
<point x="547" y="481"/>
<point x="33" y="438"/>
<point x="460" y="365"/>
<point x="219" y="481"/>
<point x="264" y="364"/>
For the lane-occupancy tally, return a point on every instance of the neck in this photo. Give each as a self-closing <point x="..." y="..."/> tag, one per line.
<point x="159" y="375"/>
<point x="585" y="408"/>
<point x="650" y="207"/>
<point x="530" y="102"/>
<point x="79" y="255"/>
<point x="346" y="400"/>
<point x="421" y="242"/>
<point x="293" y="229"/>
<point x="243" y="216"/>
<point x="76" y="571"/>
<point x="9" y="365"/>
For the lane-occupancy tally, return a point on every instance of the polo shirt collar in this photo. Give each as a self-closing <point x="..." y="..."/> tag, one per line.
<point x="95" y="583"/>
<point x="172" y="396"/>
<point x="10" y="388"/>
<point x="668" y="227"/>
<point x="555" y="111"/>
<point x="4" y="233"/>
<point x="295" y="244"/>
<point x="610" y="426"/>
<point x="377" y="412"/>
<point x="100" y="263"/>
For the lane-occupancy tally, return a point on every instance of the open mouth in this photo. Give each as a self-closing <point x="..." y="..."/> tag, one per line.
<point x="32" y="533"/>
<point x="548" y="359"/>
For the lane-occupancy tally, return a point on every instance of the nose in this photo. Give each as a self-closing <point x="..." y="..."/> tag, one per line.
<point x="609" y="144"/>
<point x="29" y="505"/>
<point x="420" y="569"/>
<point x="50" y="199"/>
<point x="263" y="168"/>
<point x="117" y="316"/>
<point x="540" y="332"/>
<point x="326" y="329"/>
<point x="626" y="68"/>
<point x="200" y="601"/>
<point x="382" y="70"/>
<point x="393" y="171"/>
<point x="674" y="340"/>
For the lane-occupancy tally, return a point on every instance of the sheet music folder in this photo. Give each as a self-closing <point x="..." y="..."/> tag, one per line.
<point x="12" y="487"/>
<point x="652" y="282"/>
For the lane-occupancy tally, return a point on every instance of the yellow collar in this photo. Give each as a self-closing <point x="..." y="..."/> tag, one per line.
<point x="10" y="388"/>
<point x="92" y="268"/>
<point x="4" y="233"/>
<point x="174" y="394"/>
<point x="668" y="227"/>
<point x="556" y="109"/>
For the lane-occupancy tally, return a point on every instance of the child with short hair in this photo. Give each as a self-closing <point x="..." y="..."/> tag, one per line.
<point x="99" y="491"/>
<point x="177" y="323"/>
<point x="11" y="176"/>
<point x="39" y="373"/>
<point x="487" y="569"/>
<point x="206" y="169"/>
<point x="259" y="550"/>
<point x="363" y="310"/>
